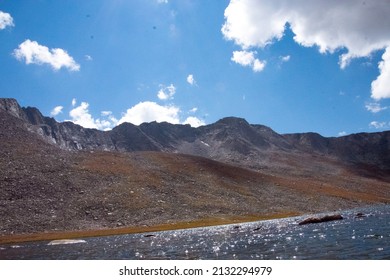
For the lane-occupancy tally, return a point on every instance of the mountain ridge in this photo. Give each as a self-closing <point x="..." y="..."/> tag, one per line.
<point x="227" y="139"/>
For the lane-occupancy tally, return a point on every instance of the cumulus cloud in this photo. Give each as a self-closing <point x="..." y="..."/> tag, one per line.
<point x="5" y="20"/>
<point x="194" y="110"/>
<point x="74" y="102"/>
<point x="166" y="93"/>
<point x="378" y="125"/>
<point x="360" y="27"/>
<point x="356" y="28"/>
<point x="191" y="79"/>
<point x="56" y="110"/>
<point x="109" y="118"/>
<point x="142" y="112"/>
<point x="148" y="111"/>
<point x="33" y="53"/>
<point x="258" y="65"/>
<point x="380" y="88"/>
<point x="80" y="115"/>
<point x="375" y="107"/>
<point x="247" y="58"/>
<point x="243" y="57"/>
<point x="194" y="121"/>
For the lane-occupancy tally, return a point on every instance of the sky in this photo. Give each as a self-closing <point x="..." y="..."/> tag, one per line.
<point x="295" y="66"/>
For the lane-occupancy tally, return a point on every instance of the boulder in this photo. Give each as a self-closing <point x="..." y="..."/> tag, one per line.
<point x="360" y="215"/>
<point x="315" y="220"/>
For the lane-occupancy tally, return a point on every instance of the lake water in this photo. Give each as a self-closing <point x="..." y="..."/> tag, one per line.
<point x="353" y="237"/>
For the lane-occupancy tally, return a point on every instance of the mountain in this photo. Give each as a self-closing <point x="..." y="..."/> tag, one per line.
<point x="63" y="177"/>
<point x="230" y="139"/>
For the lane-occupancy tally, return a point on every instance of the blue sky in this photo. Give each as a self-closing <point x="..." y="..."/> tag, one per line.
<point x="295" y="66"/>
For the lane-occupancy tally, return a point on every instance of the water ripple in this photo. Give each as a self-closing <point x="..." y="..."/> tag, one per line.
<point x="354" y="237"/>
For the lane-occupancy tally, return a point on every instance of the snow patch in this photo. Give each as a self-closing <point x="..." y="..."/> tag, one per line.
<point x="205" y="144"/>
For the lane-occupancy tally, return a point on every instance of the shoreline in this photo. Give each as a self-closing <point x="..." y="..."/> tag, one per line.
<point x="206" y="222"/>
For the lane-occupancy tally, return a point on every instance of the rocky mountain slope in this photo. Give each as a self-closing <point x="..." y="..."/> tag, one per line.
<point x="230" y="140"/>
<point x="61" y="176"/>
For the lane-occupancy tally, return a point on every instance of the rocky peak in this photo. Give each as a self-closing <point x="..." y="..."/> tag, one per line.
<point x="11" y="106"/>
<point x="34" y="116"/>
<point x="232" y="122"/>
<point x="236" y="133"/>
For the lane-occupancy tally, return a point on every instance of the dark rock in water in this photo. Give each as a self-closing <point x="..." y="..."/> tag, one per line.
<point x="315" y="220"/>
<point x="236" y="227"/>
<point x="257" y="229"/>
<point x="360" y="215"/>
<point x="149" y="235"/>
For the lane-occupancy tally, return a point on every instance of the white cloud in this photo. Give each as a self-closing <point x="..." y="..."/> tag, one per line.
<point x="194" y="121"/>
<point x="243" y="58"/>
<point x="356" y="28"/>
<point x="109" y="119"/>
<point x="162" y="1"/>
<point x="142" y="112"/>
<point x="285" y="58"/>
<point x="33" y="53"/>
<point x="194" y="110"/>
<point x="80" y="115"/>
<point x="374" y="107"/>
<point x="74" y="102"/>
<point x="258" y="65"/>
<point x="247" y="58"/>
<point x="380" y="88"/>
<point x="106" y="113"/>
<point x="88" y="57"/>
<point x="191" y="80"/>
<point x="342" y="133"/>
<point x="248" y="23"/>
<point x="360" y="27"/>
<point x="166" y="93"/>
<point x="5" y="20"/>
<point x="150" y="111"/>
<point x="377" y="125"/>
<point x="56" y="110"/>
